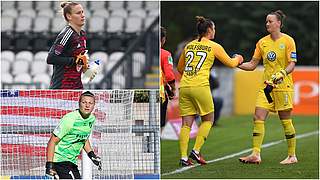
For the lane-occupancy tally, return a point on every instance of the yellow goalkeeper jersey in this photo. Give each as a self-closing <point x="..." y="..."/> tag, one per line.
<point x="276" y="55"/>
<point x="196" y="60"/>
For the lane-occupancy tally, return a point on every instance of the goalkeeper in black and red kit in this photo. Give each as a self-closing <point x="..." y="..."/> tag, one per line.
<point x="68" y="54"/>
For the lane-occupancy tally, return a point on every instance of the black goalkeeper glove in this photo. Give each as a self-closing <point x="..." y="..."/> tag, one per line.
<point x="267" y="90"/>
<point x="50" y="171"/>
<point x="95" y="159"/>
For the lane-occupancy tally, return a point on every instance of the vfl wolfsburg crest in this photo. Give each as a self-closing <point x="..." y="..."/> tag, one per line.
<point x="271" y="56"/>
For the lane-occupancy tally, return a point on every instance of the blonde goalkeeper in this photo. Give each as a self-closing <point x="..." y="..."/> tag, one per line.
<point x="69" y="138"/>
<point x="68" y="54"/>
<point x="278" y="53"/>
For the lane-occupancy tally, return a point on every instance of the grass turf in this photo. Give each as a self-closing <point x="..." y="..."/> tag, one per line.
<point x="234" y="134"/>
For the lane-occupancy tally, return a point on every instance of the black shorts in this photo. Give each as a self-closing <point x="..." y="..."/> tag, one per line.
<point x="67" y="170"/>
<point x="163" y="114"/>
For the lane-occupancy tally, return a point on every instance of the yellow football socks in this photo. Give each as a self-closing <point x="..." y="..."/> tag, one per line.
<point x="202" y="135"/>
<point x="290" y="134"/>
<point x="184" y="140"/>
<point x="258" y="135"/>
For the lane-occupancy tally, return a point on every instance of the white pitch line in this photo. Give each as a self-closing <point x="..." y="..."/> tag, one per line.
<point x="238" y="153"/>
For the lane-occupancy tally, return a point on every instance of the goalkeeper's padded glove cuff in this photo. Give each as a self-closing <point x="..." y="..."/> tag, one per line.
<point x="284" y="72"/>
<point x="49" y="165"/>
<point x="95" y="159"/>
<point x="91" y="155"/>
<point x="50" y="171"/>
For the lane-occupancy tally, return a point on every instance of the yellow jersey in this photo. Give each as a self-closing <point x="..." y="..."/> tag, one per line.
<point x="196" y="60"/>
<point x="276" y="55"/>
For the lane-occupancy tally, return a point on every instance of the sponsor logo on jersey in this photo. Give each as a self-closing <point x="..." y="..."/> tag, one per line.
<point x="293" y="55"/>
<point x="271" y="56"/>
<point x="170" y="60"/>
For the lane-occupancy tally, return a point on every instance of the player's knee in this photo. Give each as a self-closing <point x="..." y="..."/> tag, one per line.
<point x="208" y="117"/>
<point x="258" y="117"/>
<point x="285" y="114"/>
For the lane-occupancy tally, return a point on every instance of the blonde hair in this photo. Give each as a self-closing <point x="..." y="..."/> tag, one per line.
<point x="66" y="8"/>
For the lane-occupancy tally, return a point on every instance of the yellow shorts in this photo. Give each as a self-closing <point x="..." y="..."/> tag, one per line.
<point x="282" y="100"/>
<point x="195" y="100"/>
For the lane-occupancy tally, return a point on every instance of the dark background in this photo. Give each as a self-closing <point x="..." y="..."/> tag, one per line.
<point x="239" y="25"/>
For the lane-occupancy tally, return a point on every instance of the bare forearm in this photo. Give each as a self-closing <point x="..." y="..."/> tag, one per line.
<point x="290" y="67"/>
<point x="87" y="146"/>
<point x="249" y="66"/>
<point x="50" y="150"/>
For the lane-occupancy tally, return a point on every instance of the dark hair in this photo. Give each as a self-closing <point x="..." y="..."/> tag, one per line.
<point x="163" y="32"/>
<point x="67" y="7"/>
<point x="87" y="93"/>
<point x="202" y="26"/>
<point x="280" y="16"/>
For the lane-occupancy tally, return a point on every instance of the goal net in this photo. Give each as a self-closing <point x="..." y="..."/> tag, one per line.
<point x="28" y="118"/>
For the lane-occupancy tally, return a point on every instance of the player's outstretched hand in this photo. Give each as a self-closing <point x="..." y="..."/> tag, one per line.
<point x="50" y="171"/>
<point x="239" y="57"/>
<point x="83" y="59"/>
<point x="95" y="159"/>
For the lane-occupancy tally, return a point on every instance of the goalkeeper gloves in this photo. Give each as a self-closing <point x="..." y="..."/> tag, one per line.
<point x="95" y="159"/>
<point x="50" y="171"/>
<point x="82" y="60"/>
<point x="267" y="90"/>
<point x="277" y="78"/>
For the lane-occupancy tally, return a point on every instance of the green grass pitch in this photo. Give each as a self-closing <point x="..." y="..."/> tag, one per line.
<point x="234" y="134"/>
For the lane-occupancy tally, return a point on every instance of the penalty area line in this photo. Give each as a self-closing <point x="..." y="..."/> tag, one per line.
<point x="238" y="153"/>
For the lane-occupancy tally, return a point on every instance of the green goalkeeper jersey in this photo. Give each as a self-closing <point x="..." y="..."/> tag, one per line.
<point x="73" y="131"/>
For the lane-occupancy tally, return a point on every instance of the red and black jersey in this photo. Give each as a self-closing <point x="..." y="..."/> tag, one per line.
<point x="62" y="53"/>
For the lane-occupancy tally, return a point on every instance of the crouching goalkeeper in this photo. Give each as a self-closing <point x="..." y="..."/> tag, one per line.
<point x="69" y="138"/>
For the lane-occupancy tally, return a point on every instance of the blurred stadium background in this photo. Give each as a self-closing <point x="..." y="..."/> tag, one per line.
<point x="239" y="25"/>
<point x="123" y="34"/>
